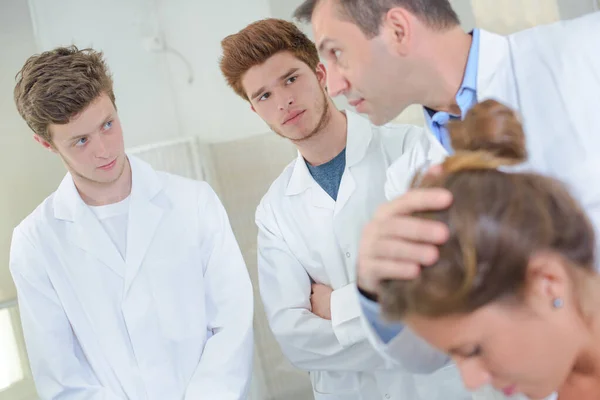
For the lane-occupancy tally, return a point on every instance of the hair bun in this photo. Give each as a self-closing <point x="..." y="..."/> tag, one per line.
<point x="491" y="127"/>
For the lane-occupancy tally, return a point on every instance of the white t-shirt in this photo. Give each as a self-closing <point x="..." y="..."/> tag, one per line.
<point x="113" y="218"/>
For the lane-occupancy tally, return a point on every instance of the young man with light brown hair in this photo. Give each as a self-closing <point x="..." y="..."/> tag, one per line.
<point x="130" y="282"/>
<point x="311" y="218"/>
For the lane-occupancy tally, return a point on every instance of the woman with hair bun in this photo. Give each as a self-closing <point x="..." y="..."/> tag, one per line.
<point x="514" y="298"/>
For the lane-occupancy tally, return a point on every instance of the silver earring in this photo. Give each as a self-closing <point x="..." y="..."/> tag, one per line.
<point x="558" y="303"/>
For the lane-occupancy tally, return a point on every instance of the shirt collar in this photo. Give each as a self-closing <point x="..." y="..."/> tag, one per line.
<point x="470" y="77"/>
<point x="358" y="139"/>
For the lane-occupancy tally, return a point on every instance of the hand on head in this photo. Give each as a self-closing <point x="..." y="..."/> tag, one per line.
<point x="396" y="243"/>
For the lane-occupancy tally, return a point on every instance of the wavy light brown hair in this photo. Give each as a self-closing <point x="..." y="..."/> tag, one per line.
<point x="258" y="42"/>
<point x="498" y="221"/>
<point x="54" y="86"/>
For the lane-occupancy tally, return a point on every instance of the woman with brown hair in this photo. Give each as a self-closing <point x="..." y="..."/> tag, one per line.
<point x="514" y="298"/>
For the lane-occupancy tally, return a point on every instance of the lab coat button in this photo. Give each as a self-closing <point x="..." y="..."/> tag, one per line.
<point x="387" y="396"/>
<point x="348" y="254"/>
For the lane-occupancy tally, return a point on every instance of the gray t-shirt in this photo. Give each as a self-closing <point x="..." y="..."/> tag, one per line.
<point x="329" y="175"/>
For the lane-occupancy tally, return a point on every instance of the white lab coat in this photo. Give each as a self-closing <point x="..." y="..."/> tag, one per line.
<point x="305" y="236"/>
<point x="551" y="75"/>
<point x="181" y="324"/>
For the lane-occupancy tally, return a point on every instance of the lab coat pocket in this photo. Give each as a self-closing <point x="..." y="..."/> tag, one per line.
<point x="177" y="286"/>
<point x="335" y="385"/>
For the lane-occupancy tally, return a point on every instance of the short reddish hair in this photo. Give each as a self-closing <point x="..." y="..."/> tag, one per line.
<point x="258" y="42"/>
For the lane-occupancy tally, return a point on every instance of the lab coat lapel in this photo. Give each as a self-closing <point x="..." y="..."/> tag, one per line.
<point x="501" y="77"/>
<point x="495" y="75"/>
<point x="320" y="198"/>
<point x="144" y="216"/>
<point x="302" y="181"/>
<point x="357" y="142"/>
<point x="84" y="230"/>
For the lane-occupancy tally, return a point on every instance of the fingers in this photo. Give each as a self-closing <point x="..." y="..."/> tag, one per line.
<point x="395" y="245"/>
<point x="412" y="229"/>
<point x="415" y="200"/>
<point x="435" y="170"/>
<point x="392" y="258"/>
<point x="402" y="253"/>
<point x="381" y="270"/>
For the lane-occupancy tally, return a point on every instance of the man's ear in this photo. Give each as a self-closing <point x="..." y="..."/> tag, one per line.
<point x="396" y="29"/>
<point x="321" y="73"/>
<point x="47" y="145"/>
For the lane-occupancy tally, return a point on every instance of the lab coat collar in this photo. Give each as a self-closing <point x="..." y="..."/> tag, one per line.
<point x="360" y="134"/>
<point x="86" y="232"/>
<point x="495" y="69"/>
<point x="145" y="181"/>
<point x="69" y="206"/>
<point x="358" y="139"/>
<point x="144" y="215"/>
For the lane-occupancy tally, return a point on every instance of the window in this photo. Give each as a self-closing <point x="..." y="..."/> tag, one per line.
<point x="16" y="382"/>
<point x="11" y="369"/>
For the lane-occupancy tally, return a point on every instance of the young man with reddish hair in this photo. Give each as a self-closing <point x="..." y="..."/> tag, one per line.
<point x="311" y="219"/>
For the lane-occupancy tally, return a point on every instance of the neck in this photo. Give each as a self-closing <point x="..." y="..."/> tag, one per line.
<point x="324" y="145"/>
<point x="101" y="193"/>
<point x="447" y="55"/>
<point x="587" y="364"/>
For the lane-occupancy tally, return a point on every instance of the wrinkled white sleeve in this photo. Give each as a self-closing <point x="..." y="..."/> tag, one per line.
<point x="400" y="344"/>
<point x="405" y="349"/>
<point x="422" y="149"/>
<point x="308" y="341"/>
<point x="225" y="368"/>
<point x="59" y="366"/>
